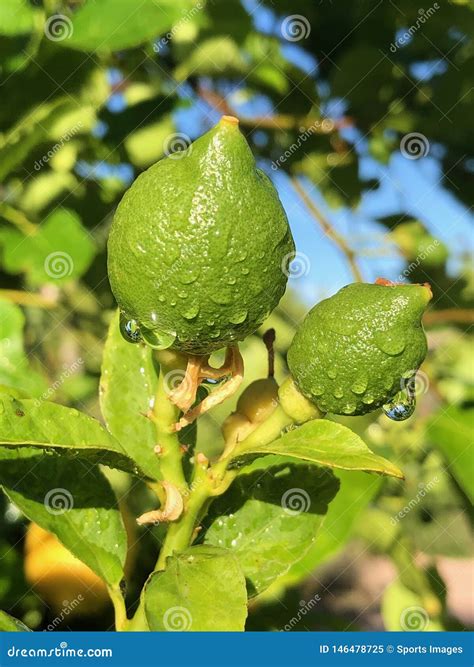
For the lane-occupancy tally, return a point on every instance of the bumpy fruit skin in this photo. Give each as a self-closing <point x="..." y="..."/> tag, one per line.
<point x="199" y="245"/>
<point x="353" y="350"/>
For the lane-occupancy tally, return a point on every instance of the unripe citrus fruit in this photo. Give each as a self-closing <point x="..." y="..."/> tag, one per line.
<point x="354" y="351"/>
<point x="199" y="246"/>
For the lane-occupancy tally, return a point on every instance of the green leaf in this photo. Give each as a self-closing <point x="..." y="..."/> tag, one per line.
<point x="356" y="491"/>
<point x="74" y="501"/>
<point x="121" y="24"/>
<point x="16" y="17"/>
<point x="59" y="251"/>
<point x="202" y="589"/>
<point x="10" y="624"/>
<point x="329" y="444"/>
<point x="15" y="370"/>
<point x="402" y="609"/>
<point x="127" y="389"/>
<point x="270" y="517"/>
<point x="452" y="432"/>
<point x="54" y="427"/>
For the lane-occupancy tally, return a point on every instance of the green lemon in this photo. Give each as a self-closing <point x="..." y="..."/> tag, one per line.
<point x="199" y="246"/>
<point x="355" y="350"/>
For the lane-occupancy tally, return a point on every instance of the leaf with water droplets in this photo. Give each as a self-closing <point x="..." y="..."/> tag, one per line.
<point x="327" y="443"/>
<point x="270" y="517"/>
<point x="72" y="500"/>
<point x="62" y="430"/>
<point x="202" y="589"/>
<point x="127" y="390"/>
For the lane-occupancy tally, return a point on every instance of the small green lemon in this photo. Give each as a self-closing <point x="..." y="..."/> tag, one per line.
<point x="355" y="350"/>
<point x="199" y="246"/>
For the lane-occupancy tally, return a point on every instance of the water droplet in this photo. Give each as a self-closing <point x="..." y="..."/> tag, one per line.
<point x="221" y="298"/>
<point x="129" y="329"/>
<point x="338" y="393"/>
<point x="392" y="342"/>
<point x="231" y="280"/>
<point x="191" y="311"/>
<point x="241" y="255"/>
<point x="158" y="340"/>
<point x="401" y="406"/>
<point x="245" y="270"/>
<point x="238" y="317"/>
<point x="182" y="294"/>
<point x="318" y="390"/>
<point x="161" y="298"/>
<point x="368" y="399"/>
<point x="349" y="409"/>
<point x="331" y="373"/>
<point x="215" y="334"/>
<point x="188" y="277"/>
<point x="360" y="385"/>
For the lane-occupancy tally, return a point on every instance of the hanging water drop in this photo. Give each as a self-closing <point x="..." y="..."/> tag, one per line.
<point x="130" y="329"/>
<point x="401" y="406"/>
<point x="158" y="340"/>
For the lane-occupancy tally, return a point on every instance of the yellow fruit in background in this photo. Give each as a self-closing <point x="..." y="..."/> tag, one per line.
<point x="63" y="581"/>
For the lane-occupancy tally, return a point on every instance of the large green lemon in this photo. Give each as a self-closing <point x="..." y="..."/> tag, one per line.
<point x="355" y="350"/>
<point x="199" y="246"/>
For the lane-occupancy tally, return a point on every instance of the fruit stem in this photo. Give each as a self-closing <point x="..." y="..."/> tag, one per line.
<point x="164" y="415"/>
<point x="121" y="620"/>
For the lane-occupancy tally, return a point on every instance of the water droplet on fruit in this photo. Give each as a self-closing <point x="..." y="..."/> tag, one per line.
<point x="391" y="342"/>
<point x="245" y="270"/>
<point x="401" y="406"/>
<point x="360" y="385"/>
<point x="331" y="373"/>
<point x="338" y="393"/>
<point x="318" y="390"/>
<point x="238" y="317"/>
<point x="368" y="399"/>
<point x="241" y="255"/>
<point x="231" y="280"/>
<point x="188" y="277"/>
<point x="191" y="311"/>
<point x="349" y="409"/>
<point x="161" y="298"/>
<point x="129" y="329"/>
<point x="158" y="340"/>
